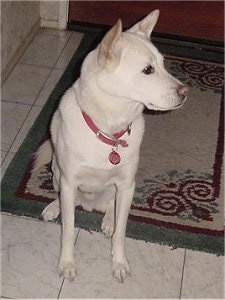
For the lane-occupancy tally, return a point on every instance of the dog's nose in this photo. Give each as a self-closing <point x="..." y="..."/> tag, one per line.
<point x="182" y="91"/>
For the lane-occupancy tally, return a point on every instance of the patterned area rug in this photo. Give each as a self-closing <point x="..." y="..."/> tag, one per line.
<point x="178" y="198"/>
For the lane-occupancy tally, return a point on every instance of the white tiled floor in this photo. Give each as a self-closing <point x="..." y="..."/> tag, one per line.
<point x="30" y="248"/>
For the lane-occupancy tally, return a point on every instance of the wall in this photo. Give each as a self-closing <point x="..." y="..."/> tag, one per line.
<point x="20" y="21"/>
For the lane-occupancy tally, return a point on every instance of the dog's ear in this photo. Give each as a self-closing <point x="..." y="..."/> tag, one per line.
<point x="108" y="52"/>
<point x="146" y="25"/>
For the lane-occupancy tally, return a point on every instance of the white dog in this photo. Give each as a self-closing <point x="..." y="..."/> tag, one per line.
<point x="96" y="134"/>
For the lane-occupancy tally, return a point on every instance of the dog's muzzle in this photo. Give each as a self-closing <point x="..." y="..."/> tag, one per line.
<point x="181" y="91"/>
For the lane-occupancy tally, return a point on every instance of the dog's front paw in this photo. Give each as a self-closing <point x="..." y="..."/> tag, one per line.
<point x="67" y="269"/>
<point x="120" y="270"/>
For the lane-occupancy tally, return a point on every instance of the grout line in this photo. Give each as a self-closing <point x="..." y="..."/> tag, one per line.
<point x="66" y="44"/>
<point x="60" y="289"/>
<point x="42" y="66"/>
<point x="16" y="102"/>
<point x="77" y="237"/>
<point x="3" y="159"/>
<point x="34" y="65"/>
<point x="41" y="89"/>
<point x="49" y="33"/>
<point x="182" y="276"/>
<point x="6" y="153"/>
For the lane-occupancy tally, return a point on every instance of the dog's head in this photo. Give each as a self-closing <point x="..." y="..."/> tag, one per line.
<point x="130" y="66"/>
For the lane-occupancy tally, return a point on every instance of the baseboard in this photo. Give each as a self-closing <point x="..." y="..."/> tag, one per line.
<point x="19" y="52"/>
<point x="49" y="23"/>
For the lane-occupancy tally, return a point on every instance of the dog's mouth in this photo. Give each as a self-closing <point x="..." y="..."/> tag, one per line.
<point x="155" y="107"/>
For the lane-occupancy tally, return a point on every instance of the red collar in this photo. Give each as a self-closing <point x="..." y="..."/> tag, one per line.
<point x="114" y="141"/>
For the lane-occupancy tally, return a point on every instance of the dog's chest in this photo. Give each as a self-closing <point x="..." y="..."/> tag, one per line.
<point x="93" y="180"/>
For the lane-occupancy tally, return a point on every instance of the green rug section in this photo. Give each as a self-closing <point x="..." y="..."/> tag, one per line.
<point x="90" y="221"/>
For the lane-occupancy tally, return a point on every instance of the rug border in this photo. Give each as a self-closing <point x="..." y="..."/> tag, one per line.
<point x="12" y="204"/>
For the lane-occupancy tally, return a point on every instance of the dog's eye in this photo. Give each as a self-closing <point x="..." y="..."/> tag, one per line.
<point x="148" y="70"/>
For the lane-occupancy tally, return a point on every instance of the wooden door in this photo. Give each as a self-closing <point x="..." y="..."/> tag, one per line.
<point x="193" y="19"/>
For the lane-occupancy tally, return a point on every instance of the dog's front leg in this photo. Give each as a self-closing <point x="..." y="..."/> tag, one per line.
<point x="66" y="265"/>
<point x="120" y="265"/>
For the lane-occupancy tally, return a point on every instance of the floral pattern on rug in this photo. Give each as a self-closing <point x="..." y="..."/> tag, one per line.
<point x="40" y="185"/>
<point x="198" y="74"/>
<point x="183" y="195"/>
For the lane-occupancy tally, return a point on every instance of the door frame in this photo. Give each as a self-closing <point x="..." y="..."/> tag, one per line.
<point x="63" y="14"/>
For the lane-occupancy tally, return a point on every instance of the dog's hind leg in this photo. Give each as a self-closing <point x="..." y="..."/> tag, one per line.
<point x="108" y="221"/>
<point x="51" y="211"/>
<point x="55" y="173"/>
<point x="105" y="202"/>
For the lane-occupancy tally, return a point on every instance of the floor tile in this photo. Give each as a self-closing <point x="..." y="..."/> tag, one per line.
<point x="31" y="117"/>
<point x="24" y="83"/>
<point x="203" y="276"/>
<point x="69" y="50"/>
<point x="156" y="270"/>
<point x="6" y="162"/>
<point x="13" y="116"/>
<point x="30" y="250"/>
<point x="44" y="51"/>
<point x="49" y="87"/>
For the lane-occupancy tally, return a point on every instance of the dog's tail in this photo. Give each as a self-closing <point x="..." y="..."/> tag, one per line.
<point x="43" y="155"/>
